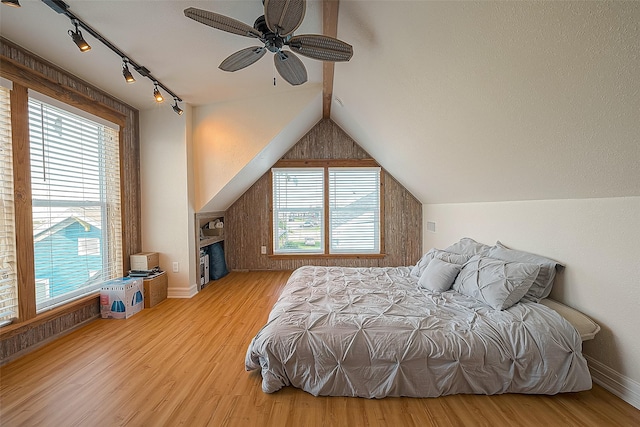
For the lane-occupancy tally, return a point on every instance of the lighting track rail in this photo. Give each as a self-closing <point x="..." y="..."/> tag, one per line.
<point x="61" y="7"/>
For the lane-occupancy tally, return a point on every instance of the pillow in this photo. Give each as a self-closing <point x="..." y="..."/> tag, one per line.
<point x="468" y="246"/>
<point x="541" y="287"/>
<point x="418" y="269"/>
<point x="439" y="275"/>
<point x="217" y="264"/>
<point x="495" y="282"/>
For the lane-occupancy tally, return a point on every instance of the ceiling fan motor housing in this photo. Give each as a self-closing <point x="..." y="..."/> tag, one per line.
<point x="272" y="41"/>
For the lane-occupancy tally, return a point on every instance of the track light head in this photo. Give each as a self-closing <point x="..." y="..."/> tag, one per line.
<point x="179" y="111"/>
<point x="78" y="39"/>
<point x="157" y="95"/>
<point x="12" y="3"/>
<point x="126" y="73"/>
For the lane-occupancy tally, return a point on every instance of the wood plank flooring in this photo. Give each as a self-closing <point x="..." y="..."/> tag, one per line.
<point x="181" y="363"/>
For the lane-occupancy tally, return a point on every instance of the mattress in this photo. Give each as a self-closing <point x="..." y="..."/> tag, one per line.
<point x="373" y="332"/>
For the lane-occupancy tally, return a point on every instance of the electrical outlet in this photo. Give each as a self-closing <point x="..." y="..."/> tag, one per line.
<point x="176" y="266"/>
<point x="263" y="250"/>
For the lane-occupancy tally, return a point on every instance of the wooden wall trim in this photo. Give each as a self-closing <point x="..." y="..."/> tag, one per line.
<point x="22" y="203"/>
<point x="22" y="75"/>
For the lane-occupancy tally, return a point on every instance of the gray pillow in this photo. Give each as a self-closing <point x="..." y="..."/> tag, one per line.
<point x="439" y="275"/>
<point x="495" y="282"/>
<point x="453" y="258"/>
<point x="468" y="246"/>
<point x="541" y="287"/>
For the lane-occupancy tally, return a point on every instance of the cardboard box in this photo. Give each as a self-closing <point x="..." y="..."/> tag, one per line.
<point x="155" y="290"/>
<point x="121" y="298"/>
<point x="145" y="261"/>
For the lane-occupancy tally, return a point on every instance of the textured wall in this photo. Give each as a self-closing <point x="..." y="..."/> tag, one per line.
<point x="248" y="226"/>
<point x="15" y="339"/>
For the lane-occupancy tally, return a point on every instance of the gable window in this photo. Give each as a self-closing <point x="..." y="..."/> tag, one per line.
<point x="75" y="196"/>
<point x="329" y="210"/>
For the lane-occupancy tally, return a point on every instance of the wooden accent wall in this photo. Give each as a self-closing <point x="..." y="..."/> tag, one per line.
<point x="27" y="70"/>
<point x="248" y="226"/>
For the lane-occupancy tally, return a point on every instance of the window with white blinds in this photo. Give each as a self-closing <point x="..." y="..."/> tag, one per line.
<point x="345" y="198"/>
<point x="8" y="273"/>
<point x="354" y="210"/>
<point x="75" y="184"/>
<point x="298" y="210"/>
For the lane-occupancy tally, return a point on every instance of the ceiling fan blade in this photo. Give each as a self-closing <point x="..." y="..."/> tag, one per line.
<point x="242" y="58"/>
<point x="290" y="67"/>
<point x="222" y="22"/>
<point x="321" y="47"/>
<point x="284" y="16"/>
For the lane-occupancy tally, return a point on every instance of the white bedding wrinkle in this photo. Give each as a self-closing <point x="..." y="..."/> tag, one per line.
<point x="373" y="332"/>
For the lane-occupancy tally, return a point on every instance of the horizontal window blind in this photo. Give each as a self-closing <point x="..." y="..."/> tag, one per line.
<point x="75" y="181"/>
<point x="298" y="210"/>
<point x="354" y="210"/>
<point x="8" y="272"/>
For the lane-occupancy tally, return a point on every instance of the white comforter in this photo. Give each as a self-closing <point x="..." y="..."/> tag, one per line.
<point x="373" y="332"/>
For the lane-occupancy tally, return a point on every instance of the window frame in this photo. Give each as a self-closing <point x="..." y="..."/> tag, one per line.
<point x="24" y="79"/>
<point x="92" y="140"/>
<point x="326" y="164"/>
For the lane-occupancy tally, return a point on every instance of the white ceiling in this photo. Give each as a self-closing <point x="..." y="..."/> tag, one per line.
<point x="460" y="101"/>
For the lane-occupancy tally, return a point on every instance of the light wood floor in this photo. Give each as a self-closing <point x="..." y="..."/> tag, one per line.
<point x="182" y="363"/>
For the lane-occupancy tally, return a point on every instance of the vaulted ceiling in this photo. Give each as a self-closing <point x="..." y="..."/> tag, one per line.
<point x="460" y="101"/>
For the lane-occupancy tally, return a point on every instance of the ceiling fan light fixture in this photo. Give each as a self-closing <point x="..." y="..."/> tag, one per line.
<point x="179" y="111"/>
<point x="126" y="73"/>
<point x="157" y="95"/>
<point x="12" y="3"/>
<point x="77" y="38"/>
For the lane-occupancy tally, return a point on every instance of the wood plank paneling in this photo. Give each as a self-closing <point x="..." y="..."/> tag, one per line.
<point x="30" y="71"/>
<point x="248" y="223"/>
<point x="182" y="363"/>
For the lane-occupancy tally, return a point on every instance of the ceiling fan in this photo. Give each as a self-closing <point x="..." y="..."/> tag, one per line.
<point x="275" y="29"/>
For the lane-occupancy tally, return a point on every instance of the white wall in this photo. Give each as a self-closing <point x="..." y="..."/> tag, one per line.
<point x="167" y="195"/>
<point x="235" y="142"/>
<point x="598" y="240"/>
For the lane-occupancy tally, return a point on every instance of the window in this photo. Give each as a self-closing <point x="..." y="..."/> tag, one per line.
<point x="75" y="185"/>
<point x="298" y="210"/>
<point x="326" y="210"/>
<point x="8" y="275"/>
<point x="354" y="210"/>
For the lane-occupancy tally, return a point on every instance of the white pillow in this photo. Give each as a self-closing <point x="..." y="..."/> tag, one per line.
<point x="439" y="275"/>
<point x="450" y="257"/>
<point x="495" y="282"/>
<point x="468" y="246"/>
<point x="541" y="287"/>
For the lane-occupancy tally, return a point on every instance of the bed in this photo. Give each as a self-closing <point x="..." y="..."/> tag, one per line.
<point x="377" y="332"/>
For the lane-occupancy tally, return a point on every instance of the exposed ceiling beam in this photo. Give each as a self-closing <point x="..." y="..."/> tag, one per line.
<point x="329" y="28"/>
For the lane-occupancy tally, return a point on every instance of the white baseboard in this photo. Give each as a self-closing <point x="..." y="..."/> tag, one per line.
<point x="623" y="387"/>
<point x="182" y="292"/>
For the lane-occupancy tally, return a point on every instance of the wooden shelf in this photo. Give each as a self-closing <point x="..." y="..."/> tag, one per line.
<point x="210" y="240"/>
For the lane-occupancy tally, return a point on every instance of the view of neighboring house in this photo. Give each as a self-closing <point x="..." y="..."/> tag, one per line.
<point x="74" y="261"/>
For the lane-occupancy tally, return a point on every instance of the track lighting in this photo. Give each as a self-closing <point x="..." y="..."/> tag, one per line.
<point x="156" y="94"/>
<point x="78" y="39"/>
<point x="126" y="73"/>
<point x="59" y="6"/>
<point x="12" y="3"/>
<point x="176" y="108"/>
